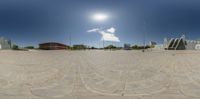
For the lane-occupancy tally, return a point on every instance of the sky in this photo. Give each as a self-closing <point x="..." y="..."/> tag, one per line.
<point x="30" y="22"/>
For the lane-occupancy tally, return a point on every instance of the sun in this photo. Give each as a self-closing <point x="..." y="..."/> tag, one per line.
<point x="100" y="17"/>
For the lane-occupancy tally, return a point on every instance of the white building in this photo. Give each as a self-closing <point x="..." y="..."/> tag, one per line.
<point x="159" y="47"/>
<point x="181" y="44"/>
<point x="152" y="43"/>
<point x="5" y="43"/>
<point x="197" y="47"/>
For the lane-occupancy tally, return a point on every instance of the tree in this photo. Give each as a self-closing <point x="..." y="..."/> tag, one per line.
<point x="79" y="47"/>
<point x="29" y="47"/>
<point x="135" y="47"/>
<point x="110" y="47"/>
<point x="15" y="47"/>
<point x="93" y="47"/>
<point x="140" y="47"/>
<point x="147" y="46"/>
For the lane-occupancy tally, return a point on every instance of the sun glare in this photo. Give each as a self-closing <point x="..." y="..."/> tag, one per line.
<point x="100" y="17"/>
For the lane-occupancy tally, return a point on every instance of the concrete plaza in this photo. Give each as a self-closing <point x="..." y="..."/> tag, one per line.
<point x="99" y="74"/>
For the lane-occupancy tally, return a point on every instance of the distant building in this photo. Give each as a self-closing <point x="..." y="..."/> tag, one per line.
<point x="127" y="46"/>
<point x="181" y="44"/>
<point x="52" y="46"/>
<point x="159" y="47"/>
<point x="151" y="43"/>
<point x="166" y="42"/>
<point x="5" y="43"/>
<point x="193" y="44"/>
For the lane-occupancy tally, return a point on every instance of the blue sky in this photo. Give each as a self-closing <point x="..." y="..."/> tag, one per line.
<point x="29" y="22"/>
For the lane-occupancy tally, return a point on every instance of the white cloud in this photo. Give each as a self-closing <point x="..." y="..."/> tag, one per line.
<point x="111" y="30"/>
<point x="94" y="30"/>
<point x="107" y="35"/>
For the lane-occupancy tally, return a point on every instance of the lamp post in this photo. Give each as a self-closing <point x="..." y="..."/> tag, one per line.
<point x="70" y="41"/>
<point x="144" y="42"/>
<point x="103" y="44"/>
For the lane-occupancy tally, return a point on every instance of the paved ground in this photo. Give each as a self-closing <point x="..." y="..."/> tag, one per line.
<point x="99" y="75"/>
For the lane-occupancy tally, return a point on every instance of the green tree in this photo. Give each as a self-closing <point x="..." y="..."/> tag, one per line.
<point x="110" y="47"/>
<point x="29" y="47"/>
<point x="15" y="47"/>
<point x="79" y="47"/>
<point x="135" y="47"/>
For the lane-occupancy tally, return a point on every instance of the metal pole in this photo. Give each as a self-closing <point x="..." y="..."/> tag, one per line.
<point x="144" y="36"/>
<point x="103" y="43"/>
<point x="144" y="40"/>
<point x="70" y="42"/>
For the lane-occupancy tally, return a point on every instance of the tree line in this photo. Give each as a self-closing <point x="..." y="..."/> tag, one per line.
<point x="85" y="47"/>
